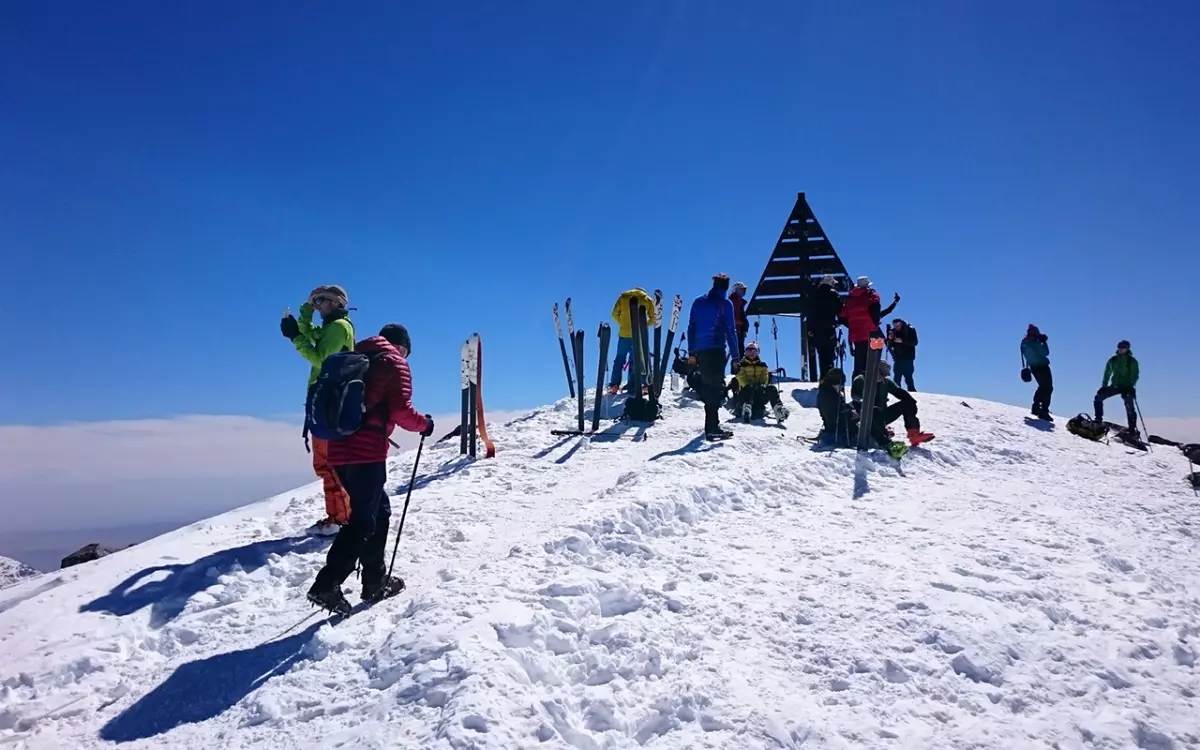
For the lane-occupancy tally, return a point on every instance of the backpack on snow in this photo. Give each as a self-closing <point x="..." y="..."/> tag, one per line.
<point x="1086" y="427"/>
<point x="336" y="406"/>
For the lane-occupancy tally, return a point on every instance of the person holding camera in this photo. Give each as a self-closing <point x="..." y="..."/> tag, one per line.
<point x="1035" y="356"/>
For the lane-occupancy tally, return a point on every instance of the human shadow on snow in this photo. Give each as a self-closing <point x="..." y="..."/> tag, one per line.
<point x="1039" y="424"/>
<point x="204" y="688"/>
<point x="168" y="597"/>
<point x="806" y="397"/>
<point x="696" y="445"/>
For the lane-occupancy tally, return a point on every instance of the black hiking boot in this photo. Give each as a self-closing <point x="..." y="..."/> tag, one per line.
<point x="385" y="589"/>
<point x="1044" y="414"/>
<point x="330" y="600"/>
<point x="717" y="434"/>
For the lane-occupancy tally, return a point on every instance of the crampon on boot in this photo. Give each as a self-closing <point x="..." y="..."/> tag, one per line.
<point x="916" y="437"/>
<point x="330" y="600"/>
<point x="385" y="589"/>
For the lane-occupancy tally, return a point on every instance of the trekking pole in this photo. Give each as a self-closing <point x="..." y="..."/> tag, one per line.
<point x="411" y="482"/>
<point x="1138" y="406"/>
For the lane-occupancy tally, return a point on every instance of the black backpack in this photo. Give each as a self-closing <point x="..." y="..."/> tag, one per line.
<point x="1086" y="427"/>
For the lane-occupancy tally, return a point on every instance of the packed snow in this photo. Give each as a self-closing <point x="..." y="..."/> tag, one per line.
<point x="12" y="571"/>
<point x="1009" y="586"/>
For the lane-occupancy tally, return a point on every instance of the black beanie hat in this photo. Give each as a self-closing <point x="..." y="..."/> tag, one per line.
<point x="397" y="335"/>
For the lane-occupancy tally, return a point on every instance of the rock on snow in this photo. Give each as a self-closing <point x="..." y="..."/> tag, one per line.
<point x="1008" y="587"/>
<point x="12" y="571"/>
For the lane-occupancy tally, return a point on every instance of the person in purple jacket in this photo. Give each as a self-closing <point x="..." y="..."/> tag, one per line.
<point x="712" y="337"/>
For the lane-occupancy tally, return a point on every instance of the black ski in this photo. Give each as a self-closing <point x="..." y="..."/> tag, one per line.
<point x="578" y="347"/>
<point x="656" y="365"/>
<point x="562" y="345"/>
<point x="870" y="372"/>
<point x="635" y="363"/>
<point x="605" y="335"/>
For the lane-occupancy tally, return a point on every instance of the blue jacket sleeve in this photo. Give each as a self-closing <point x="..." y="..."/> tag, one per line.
<point x="731" y="334"/>
<point x="691" y="331"/>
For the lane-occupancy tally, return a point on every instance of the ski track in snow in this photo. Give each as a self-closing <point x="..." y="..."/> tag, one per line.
<point x="1006" y="587"/>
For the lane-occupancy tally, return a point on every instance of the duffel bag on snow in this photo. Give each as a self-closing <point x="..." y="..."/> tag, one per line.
<point x="1086" y="427"/>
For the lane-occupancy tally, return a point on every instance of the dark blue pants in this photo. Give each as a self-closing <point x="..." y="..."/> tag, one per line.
<point x="903" y="370"/>
<point x="365" y="537"/>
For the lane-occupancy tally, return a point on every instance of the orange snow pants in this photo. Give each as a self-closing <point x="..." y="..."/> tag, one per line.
<point x="337" y="500"/>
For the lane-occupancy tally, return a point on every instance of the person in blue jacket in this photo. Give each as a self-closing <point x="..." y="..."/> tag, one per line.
<point x="713" y="337"/>
<point x="1035" y="352"/>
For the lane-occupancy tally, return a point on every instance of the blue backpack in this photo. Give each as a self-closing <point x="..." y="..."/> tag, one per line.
<point x="336" y="407"/>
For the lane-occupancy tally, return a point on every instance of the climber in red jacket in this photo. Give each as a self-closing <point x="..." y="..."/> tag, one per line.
<point x="861" y="314"/>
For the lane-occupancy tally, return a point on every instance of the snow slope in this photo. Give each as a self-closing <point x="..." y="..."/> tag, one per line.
<point x="12" y="571"/>
<point x="1009" y="587"/>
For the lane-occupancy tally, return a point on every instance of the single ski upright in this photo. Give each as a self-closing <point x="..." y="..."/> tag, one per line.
<point x="779" y="371"/>
<point x="467" y="406"/>
<point x="579" y="374"/>
<point x="562" y="346"/>
<point x="605" y="336"/>
<point x="477" y="395"/>
<point x="636" y="373"/>
<point x="661" y="374"/>
<point x="658" y="350"/>
<point x="870" y="388"/>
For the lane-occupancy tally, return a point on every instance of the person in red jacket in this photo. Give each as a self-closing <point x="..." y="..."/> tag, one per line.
<point x="360" y="461"/>
<point x="740" y="322"/>
<point x="861" y="314"/>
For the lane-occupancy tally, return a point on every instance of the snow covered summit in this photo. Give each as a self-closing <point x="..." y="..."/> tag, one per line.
<point x="12" y="571"/>
<point x="1008" y="587"/>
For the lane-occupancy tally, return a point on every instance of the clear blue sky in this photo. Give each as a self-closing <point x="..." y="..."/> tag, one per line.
<point x="174" y="174"/>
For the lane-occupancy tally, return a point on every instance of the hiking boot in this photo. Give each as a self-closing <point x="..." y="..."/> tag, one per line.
<point x="916" y="437"/>
<point x="897" y="450"/>
<point x="781" y="412"/>
<point x="717" y="434"/>
<point x="385" y="589"/>
<point x="747" y="412"/>
<point x="330" y="600"/>
<point x="325" y="527"/>
<point x="1044" y="414"/>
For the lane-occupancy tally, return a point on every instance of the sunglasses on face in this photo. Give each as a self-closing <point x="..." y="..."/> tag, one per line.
<point x="318" y="301"/>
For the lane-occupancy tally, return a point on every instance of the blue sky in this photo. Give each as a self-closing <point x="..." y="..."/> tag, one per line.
<point x="174" y="175"/>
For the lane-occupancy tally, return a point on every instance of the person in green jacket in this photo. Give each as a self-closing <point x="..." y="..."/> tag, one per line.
<point x="1120" y="378"/>
<point x="315" y="343"/>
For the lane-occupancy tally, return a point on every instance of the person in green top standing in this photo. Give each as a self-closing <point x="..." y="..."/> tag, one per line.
<point x="1120" y="378"/>
<point x="315" y="343"/>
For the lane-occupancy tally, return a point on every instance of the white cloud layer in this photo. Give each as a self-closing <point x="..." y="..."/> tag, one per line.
<point x="1180" y="429"/>
<point x="100" y="475"/>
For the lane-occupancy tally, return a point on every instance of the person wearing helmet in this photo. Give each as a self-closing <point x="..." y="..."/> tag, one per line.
<point x="740" y="322"/>
<point x="315" y="343"/>
<point x="754" y="389"/>
<point x="1120" y="378"/>
<point x="905" y="406"/>
<point x="839" y="420"/>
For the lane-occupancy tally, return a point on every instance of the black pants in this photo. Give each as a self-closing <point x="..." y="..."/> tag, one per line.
<point x="903" y="370"/>
<point x="742" y="341"/>
<point x="758" y="396"/>
<point x="1045" y="381"/>
<point x="906" y="409"/>
<point x="825" y="342"/>
<point x="1126" y="394"/>
<point x="365" y="537"/>
<point x="712" y="386"/>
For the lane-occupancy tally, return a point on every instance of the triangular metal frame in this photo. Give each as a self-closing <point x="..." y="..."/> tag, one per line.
<point x="801" y="257"/>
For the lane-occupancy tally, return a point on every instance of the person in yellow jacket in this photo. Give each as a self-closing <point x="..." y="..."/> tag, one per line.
<point x="620" y="314"/>
<point x="755" y="390"/>
<point x="315" y="343"/>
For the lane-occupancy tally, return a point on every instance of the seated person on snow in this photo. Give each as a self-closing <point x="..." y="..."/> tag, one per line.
<point x="905" y="406"/>
<point x="754" y="390"/>
<point x="839" y="420"/>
